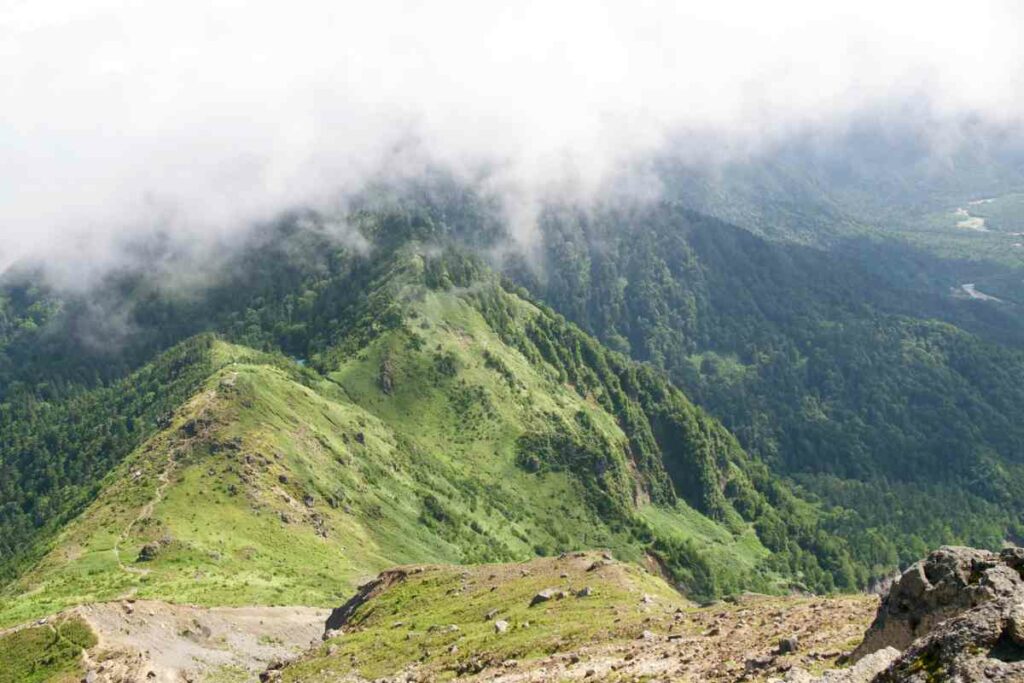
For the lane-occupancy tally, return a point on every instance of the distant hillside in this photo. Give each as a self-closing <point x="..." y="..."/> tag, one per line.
<point x="876" y="395"/>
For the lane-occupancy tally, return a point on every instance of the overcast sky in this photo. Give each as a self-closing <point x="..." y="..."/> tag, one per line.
<point x="200" y="117"/>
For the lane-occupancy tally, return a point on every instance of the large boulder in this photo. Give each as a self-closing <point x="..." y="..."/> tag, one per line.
<point x="958" y="616"/>
<point x="973" y="647"/>
<point x="947" y="583"/>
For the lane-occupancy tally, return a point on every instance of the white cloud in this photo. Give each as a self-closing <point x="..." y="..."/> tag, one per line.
<point x="200" y="117"/>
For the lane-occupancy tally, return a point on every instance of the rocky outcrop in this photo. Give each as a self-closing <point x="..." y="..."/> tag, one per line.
<point x="976" y="646"/>
<point x="341" y="616"/>
<point x="948" y="582"/>
<point x="957" y="615"/>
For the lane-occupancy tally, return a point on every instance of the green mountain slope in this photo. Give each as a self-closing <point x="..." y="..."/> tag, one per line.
<point x="444" y="420"/>
<point x="861" y="406"/>
<point x="892" y="405"/>
<point x="56" y="445"/>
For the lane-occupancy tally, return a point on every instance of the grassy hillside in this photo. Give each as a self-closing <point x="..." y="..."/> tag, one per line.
<point x="45" y="653"/>
<point x="435" y="428"/>
<point x="56" y="445"/>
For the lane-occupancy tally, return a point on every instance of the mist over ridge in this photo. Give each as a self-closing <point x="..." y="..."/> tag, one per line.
<point x="192" y="123"/>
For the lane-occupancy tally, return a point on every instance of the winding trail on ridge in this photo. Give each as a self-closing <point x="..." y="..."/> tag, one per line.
<point x="145" y="513"/>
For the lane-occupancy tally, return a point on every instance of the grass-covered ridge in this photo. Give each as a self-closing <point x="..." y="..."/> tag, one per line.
<point x="602" y="620"/>
<point x="447" y="420"/>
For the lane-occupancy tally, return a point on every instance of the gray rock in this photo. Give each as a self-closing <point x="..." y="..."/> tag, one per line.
<point x="758" y="663"/>
<point x="948" y="582"/>
<point x="149" y="552"/>
<point x="543" y="596"/>
<point x="866" y="669"/>
<point x="500" y="626"/>
<point x="957" y="615"/>
<point x="1016" y="625"/>
<point x="863" y="671"/>
<point x="973" y="647"/>
<point x="787" y="645"/>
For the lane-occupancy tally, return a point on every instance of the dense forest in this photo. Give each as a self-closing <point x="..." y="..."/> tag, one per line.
<point x="817" y="365"/>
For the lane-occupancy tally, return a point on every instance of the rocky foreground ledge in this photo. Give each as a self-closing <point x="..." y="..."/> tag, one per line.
<point x="957" y="615"/>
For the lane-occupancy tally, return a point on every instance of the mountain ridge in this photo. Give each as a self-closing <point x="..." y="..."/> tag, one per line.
<point x="445" y="385"/>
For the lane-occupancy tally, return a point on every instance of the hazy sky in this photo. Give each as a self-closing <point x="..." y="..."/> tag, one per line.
<point x="199" y="117"/>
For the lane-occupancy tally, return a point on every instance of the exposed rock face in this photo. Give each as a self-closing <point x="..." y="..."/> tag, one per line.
<point x="948" y="582"/>
<point x="341" y="615"/>
<point x="975" y="646"/>
<point x="958" y="615"/>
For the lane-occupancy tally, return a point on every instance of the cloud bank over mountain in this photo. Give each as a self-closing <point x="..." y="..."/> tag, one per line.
<point x="194" y="120"/>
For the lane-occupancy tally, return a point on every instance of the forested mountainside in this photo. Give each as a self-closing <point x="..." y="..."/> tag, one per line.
<point x="59" y="444"/>
<point x="869" y="393"/>
<point x="935" y="206"/>
<point x="407" y="408"/>
<point x="872" y="421"/>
